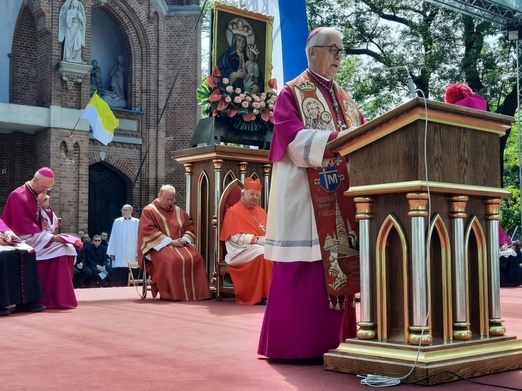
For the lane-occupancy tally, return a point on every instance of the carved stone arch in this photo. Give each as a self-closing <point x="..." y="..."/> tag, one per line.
<point x="139" y="35"/>
<point x="64" y="150"/>
<point x="439" y="278"/>
<point x="23" y="60"/>
<point x="385" y="269"/>
<point x="43" y="24"/>
<point x="115" y="164"/>
<point x="76" y="149"/>
<point x="476" y="263"/>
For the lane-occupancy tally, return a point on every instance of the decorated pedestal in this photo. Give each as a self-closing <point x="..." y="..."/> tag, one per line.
<point x="208" y="170"/>
<point x="219" y="130"/>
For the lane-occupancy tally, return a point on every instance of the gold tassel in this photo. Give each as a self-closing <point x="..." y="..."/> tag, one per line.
<point x="330" y="300"/>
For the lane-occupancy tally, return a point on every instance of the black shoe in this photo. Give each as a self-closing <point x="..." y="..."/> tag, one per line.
<point x="30" y="307"/>
<point x="4" y="311"/>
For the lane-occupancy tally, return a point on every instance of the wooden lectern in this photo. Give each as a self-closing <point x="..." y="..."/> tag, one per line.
<point x="426" y="182"/>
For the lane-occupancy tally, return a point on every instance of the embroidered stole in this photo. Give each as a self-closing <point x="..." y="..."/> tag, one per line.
<point x="334" y="212"/>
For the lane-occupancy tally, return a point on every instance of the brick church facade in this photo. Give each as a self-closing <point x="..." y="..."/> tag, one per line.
<point x="39" y="123"/>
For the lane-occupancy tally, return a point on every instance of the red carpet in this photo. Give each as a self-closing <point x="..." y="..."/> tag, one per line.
<point x="115" y="341"/>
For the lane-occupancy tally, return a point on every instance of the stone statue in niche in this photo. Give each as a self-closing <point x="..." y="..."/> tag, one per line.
<point x="117" y="75"/>
<point x="71" y="30"/>
<point x="115" y="97"/>
<point x="96" y="77"/>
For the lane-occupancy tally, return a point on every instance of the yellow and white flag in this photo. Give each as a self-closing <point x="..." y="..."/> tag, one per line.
<point x="102" y="119"/>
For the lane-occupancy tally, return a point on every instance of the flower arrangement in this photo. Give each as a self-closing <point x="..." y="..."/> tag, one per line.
<point x="247" y="111"/>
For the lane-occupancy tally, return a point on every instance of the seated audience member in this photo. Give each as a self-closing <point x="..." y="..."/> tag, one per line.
<point x="104" y="238"/>
<point x="82" y="274"/>
<point x="97" y="261"/>
<point x="243" y="231"/>
<point x="55" y="256"/>
<point x="19" y="279"/>
<point x="81" y="233"/>
<point x="510" y="269"/>
<point x="166" y="242"/>
<point x="123" y="247"/>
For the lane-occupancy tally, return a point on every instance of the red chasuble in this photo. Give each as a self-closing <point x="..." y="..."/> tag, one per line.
<point x="178" y="273"/>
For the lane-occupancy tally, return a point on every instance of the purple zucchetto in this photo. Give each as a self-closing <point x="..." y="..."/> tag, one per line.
<point x="314" y="32"/>
<point x="46" y="172"/>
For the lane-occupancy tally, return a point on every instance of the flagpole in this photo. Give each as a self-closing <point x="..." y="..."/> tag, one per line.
<point x="74" y="127"/>
<point x="79" y="118"/>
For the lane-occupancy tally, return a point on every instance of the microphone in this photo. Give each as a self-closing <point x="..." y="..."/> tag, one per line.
<point x="411" y="85"/>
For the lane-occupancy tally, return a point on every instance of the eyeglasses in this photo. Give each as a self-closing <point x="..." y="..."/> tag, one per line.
<point x="169" y="199"/>
<point x="96" y="240"/>
<point x="333" y="49"/>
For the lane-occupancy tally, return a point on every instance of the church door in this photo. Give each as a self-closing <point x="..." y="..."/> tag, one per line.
<point x="107" y="194"/>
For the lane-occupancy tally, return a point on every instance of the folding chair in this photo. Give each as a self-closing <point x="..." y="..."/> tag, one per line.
<point x="142" y="278"/>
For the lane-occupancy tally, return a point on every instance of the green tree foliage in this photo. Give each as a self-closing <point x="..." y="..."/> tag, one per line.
<point x="510" y="208"/>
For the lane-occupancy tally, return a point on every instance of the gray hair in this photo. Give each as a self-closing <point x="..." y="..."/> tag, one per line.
<point x="167" y="188"/>
<point x="320" y="38"/>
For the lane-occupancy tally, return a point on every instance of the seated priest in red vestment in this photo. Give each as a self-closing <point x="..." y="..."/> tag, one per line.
<point x="55" y="256"/>
<point x="243" y="231"/>
<point x="166" y="242"/>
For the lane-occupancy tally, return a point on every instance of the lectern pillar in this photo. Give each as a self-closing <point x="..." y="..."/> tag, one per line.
<point x="425" y="178"/>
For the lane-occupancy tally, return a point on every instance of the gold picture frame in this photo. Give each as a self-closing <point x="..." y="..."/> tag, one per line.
<point x="253" y="33"/>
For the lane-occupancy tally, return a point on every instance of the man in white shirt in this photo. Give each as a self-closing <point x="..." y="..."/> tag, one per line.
<point x="123" y="246"/>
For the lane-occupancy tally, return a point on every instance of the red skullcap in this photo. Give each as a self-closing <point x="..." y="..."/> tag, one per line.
<point x="251" y="184"/>
<point x="46" y="172"/>
<point x="314" y="32"/>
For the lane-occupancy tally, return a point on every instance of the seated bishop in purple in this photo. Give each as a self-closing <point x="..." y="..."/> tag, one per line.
<point x="55" y="257"/>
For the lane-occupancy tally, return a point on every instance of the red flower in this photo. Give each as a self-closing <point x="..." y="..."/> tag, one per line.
<point x="222" y="105"/>
<point x="272" y="83"/>
<point x="249" y="117"/>
<point x="232" y="112"/>
<point x="265" y="114"/>
<point x="212" y="81"/>
<point x="215" y="96"/>
<point x="216" y="71"/>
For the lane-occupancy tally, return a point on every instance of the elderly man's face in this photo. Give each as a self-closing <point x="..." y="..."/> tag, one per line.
<point x="167" y="199"/>
<point x="42" y="184"/>
<point x="126" y="212"/>
<point x="322" y="61"/>
<point x="251" y="198"/>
